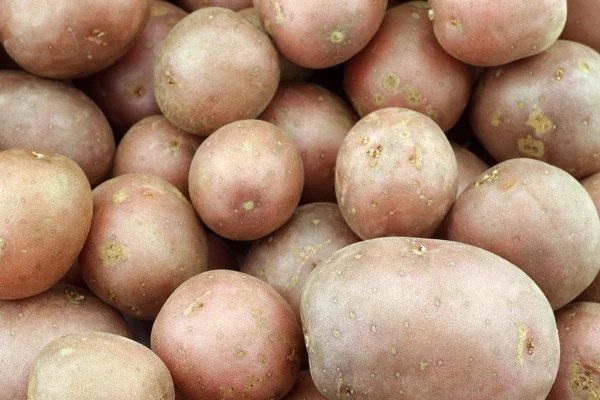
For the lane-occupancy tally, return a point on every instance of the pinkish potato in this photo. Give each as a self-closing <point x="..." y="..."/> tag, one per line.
<point x="46" y="204"/>
<point x="286" y="258"/>
<point x="469" y="167"/>
<point x="246" y="180"/>
<point x="193" y="5"/>
<point x="67" y="39"/>
<point x="317" y="137"/>
<point x="155" y="146"/>
<point x="427" y="319"/>
<point x="396" y="175"/>
<point x="320" y="33"/>
<point x="224" y="333"/>
<point x="579" y="333"/>
<point x="404" y="66"/>
<point x="484" y="34"/>
<point x="125" y="90"/>
<point x="145" y="241"/>
<point x="539" y="218"/>
<point x="582" y="17"/>
<point x="27" y="325"/>
<point x="100" y="366"/>
<point x="220" y="255"/>
<point x="51" y="116"/>
<point x="304" y="389"/>
<point x="543" y="107"/>
<point x="214" y="68"/>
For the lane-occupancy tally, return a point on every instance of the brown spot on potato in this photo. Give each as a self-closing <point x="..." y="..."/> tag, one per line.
<point x="423" y="366"/>
<point x="336" y="333"/>
<point x="391" y="82"/>
<point x="531" y="147"/>
<point x="74" y="297"/>
<point x="279" y="17"/>
<point x="337" y="37"/>
<point x="417" y="158"/>
<point x="530" y="346"/>
<point x="496" y="121"/>
<point x="539" y="122"/>
<point x="432" y="113"/>
<point x="412" y="96"/>
<point x="2" y="246"/>
<point x="487" y="178"/>
<point x="378" y="99"/>
<point x="119" y="197"/>
<point x="584" y="65"/>
<point x="375" y="152"/>
<point x="521" y="336"/>
<point x="248" y="205"/>
<point x="457" y="24"/>
<point x="111" y="253"/>
<point x="196" y="305"/>
<point x="158" y="10"/>
<point x="559" y="73"/>
<point x="583" y="382"/>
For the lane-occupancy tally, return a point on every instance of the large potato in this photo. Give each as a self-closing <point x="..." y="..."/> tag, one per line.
<point x="427" y="319"/>
<point x="27" y="325"/>
<point x="66" y="39"/>
<point x="582" y="16"/>
<point x="45" y="214"/>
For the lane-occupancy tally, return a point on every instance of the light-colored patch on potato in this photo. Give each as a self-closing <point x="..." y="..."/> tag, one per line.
<point x="531" y="147"/>
<point x="496" y="119"/>
<point x="539" y="122"/>
<point x="337" y="36"/>
<point x="391" y="82"/>
<point x="197" y="304"/>
<point x="431" y="15"/>
<point x="423" y="366"/>
<point x="432" y="113"/>
<point x="248" y="205"/>
<point x="521" y="105"/>
<point x="336" y="334"/>
<point x="417" y="158"/>
<point x="96" y="37"/>
<point x="521" y="336"/>
<point x="267" y="26"/>
<point x="66" y="351"/>
<point x="498" y="72"/>
<point x="158" y="10"/>
<point x="487" y="178"/>
<point x="415" y="15"/>
<point x="412" y="96"/>
<point x="174" y="145"/>
<point x="584" y="65"/>
<point x="558" y="74"/>
<point x="74" y="297"/>
<point x="279" y="17"/>
<point x="375" y="152"/>
<point x="378" y="99"/>
<point x="2" y="246"/>
<point x="457" y="24"/>
<point x="119" y="197"/>
<point x="136" y="88"/>
<point x="583" y="382"/>
<point x="111" y="253"/>
<point x="152" y="187"/>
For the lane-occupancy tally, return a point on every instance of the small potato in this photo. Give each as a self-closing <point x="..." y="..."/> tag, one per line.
<point x="483" y="34"/>
<point x="318" y="137"/>
<point x="286" y="258"/>
<point x="220" y="255"/>
<point x="51" y="116"/>
<point x="68" y="39"/>
<point x="193" y="5"/>
<point x="155" y="146"/>
<point x="99" y="366"/>
<point x="214" y="68"/>
<point x="224" y="333"/>
<point x="404" y="66"/>
<point x="246" y="180"/>
<point x="145" y="241"/>
<point x="396" y="175"/>
<point x="539" y="218"/>
<point x="304" y="389"/>
<point x="27" y="325"/>
<point x="582" y="17"/>
<point x="469" y="167"/>
<point x="428" y="319"/>
<point x="46" y="209"/>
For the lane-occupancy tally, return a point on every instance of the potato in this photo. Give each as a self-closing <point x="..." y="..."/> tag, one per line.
<point x="469" y="167"/>
<point x="27" y="325"/>
<point x="539" y="218"/>
<point x="125" y="90"/>
<point x="404" y="66"/>
<point x="286" y="258"/>
<point x="318" y="138"/>
<point x="67" y="39"/>
<point x="396" y="175"/>
<point x="246" y="180"/>
<point x="144" y="242"/>
<point x="51" y="116"/>
<point x="46" y="204"/>
<point x="214" y="68"/>
<point x="581" y="20"/>
<point x="543" y="107"/>
<point x="427" y="319"/>
<point x="304" y="389"/>
<point x="484" y="34"/>
<point x="155" y="146"/>
<point x="100" y="366"/>
<point x="193" y="5"/>
<point x="320" y="34"/>
<point x="220" y="255"/>
<point x="224" y="334"/>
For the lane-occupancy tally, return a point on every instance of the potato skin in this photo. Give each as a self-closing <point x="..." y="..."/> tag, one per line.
<point x="155" y="146"/>
<point x="539" y="218"/>
<point x="490" y="34"/>
<point x="429" y="319"/>
<point x="255" y="358"/>
<point x="581" y="23"/>
<point x="404" y="66"/>
<point x="543" y="107"/>
<point x="144" y="242"/>
<point x="469" y="167"/>
<point x="246" y="180"/>
<point x="101" y="365"/>
<point x="193" y="5"/>
<point x="318" y="137"/>
<point x="214" y="68"/>
<point x="51" y="116"/>
<point x="285" y="258"/>
<point x="29" y="324"/>
<point x="69" y="39"/>
<point x="46" y="204"/>
<point x="304" y="389"/>
<point x="396" y="175"/>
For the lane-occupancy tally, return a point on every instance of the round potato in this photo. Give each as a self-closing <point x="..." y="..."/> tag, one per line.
<point x="581" y="23"/>
<point x="304" y="389"/>
<point x="427" y="319"/>
<point x="193" y="5"/>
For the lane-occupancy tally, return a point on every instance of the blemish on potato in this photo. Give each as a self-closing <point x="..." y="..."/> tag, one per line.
<point x="248" y="205"/>
<point x="412" y="96"/>
<point x="417" y="158"/>
<point x="279" y="17"/>
<point x="431" y="14"/>
<point x="487" y="178"/>
<point x="496" y="121"/>
<point x="584" y="65"/>
<point x="521" y="334"/>
<point x="74" y="297"/>
<point x="66" y="351"/>
<point x="423" y="366"/>
<point x="558" y="74"/>
<point x="336" y="334"/>
<point x="539" y="122"/>
<point x="111" y="253"/>
<point x="457" y="24"/>
<point x="196" y="305"/>
<point x="582" y="381"/>
<point x="531" y="147"/>
<point x="119" y="197"/>
<point x="2" y="246"/>
<point x="391" y="82"/>
<point x="158" y="10"/>
<point x="352" y="315"/>
<point x="432" y="113"/>
<point x="378" y="99"/>
<point x="337" y="37"/>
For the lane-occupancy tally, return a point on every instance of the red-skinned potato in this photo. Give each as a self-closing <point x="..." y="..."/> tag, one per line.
<point x="318" y="138"/>
<point x="214" y="68"/>
<point x="220" y="255"/>
<point x="427" y="319"/>
<point x="69" y="39"/>
<point x="193" y="5"/>
<point x="320" y="33"/>
<point x="155" y="146"/>
<point x="51" y="116"/>
<point x="225" y="333"/>
<point x="46" y="204"/>
<point x="581" y="23"/>
<point x="483" y="34"/>
<point x="29" y="324"/>
<point x="304" y="389"/>
<point x="469" y="167"/>
<point x="246" y="180"/>
<point x="404" y="66"/>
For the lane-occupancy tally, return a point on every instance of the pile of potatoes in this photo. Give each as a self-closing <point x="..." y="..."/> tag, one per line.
<point x="299" y="200"/>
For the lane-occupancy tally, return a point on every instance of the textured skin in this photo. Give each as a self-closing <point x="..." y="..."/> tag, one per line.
<point x="427" y="319"/>
<point x="539" y="218"/>
<point x="304" y="389"/>
<point x="582" y="17"/>
<point x="404" y="66"/>
<point x="489" y="33"/>
<point x="193" y="5"/>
